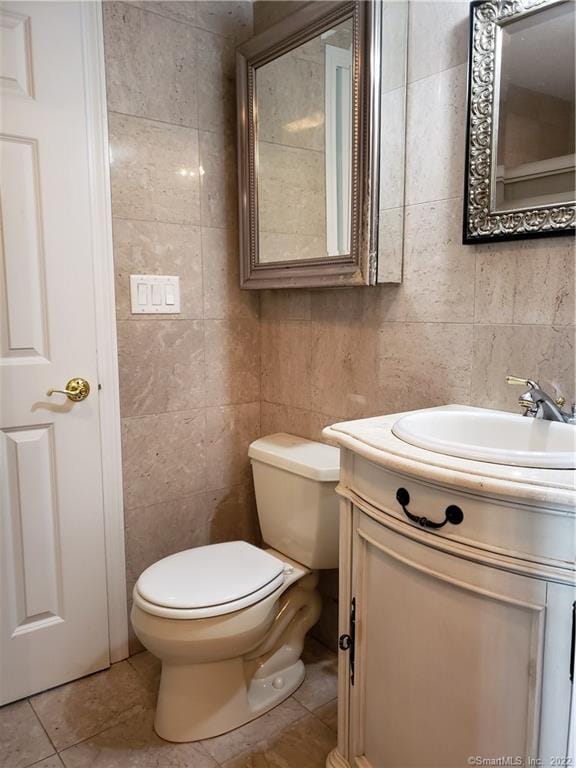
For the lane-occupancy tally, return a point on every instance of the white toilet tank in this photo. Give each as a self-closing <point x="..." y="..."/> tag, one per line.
<point x="295" y="481"/>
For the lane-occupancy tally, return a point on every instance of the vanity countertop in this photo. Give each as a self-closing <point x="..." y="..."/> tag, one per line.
<point x="374" y="440"/>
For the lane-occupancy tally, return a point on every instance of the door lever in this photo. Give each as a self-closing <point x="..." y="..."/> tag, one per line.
<point x="76" y="390"/>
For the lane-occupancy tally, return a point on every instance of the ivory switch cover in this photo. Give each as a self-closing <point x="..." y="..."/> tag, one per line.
<point x="155" y="294"/>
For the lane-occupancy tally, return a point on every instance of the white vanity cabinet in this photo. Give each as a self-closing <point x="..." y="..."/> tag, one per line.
<point x="461" y="637"/>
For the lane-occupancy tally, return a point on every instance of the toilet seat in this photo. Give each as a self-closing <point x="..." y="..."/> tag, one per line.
<point x="209" y="581"/>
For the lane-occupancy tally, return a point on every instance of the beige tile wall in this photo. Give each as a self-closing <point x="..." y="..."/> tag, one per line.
<point x="189" y="383"/>
<point x="197" y="387"/>
<point x="463" y="317"/>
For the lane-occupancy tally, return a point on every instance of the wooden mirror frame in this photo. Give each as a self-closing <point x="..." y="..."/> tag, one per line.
<point x="359" y="267"/>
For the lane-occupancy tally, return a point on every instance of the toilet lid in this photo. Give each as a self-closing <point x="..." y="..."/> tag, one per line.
<point x="209" y="576"/>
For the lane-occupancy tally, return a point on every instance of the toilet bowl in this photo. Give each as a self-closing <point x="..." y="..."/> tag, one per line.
<point x="228" y="621"/>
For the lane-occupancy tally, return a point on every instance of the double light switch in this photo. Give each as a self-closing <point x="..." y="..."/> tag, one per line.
<point x="155" y="294"/>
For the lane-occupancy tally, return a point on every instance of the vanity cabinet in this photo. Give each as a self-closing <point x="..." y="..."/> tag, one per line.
<point x="454" y="647"/>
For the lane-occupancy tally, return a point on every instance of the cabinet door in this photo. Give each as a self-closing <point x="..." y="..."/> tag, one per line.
<point x="449" y="657"/>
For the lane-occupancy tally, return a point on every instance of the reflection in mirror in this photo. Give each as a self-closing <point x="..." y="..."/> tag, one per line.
<point x="304" y="149"/>
<point x="535" y="138"/>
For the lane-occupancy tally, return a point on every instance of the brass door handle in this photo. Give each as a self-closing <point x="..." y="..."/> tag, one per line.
<point x="76" y="390"/>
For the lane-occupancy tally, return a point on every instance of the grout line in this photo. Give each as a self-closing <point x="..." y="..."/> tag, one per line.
<point x="195" y="410"/>
<point x="230" y="39"/>
<point x="154" y="120"/>
<point x="293" y="146"/>
<point x="298" y="408"/>
<point x="435" y="74"/>
<point x="265" y="742"/>
<point x="48" y="757"/>
<point x="232" y="487"/>
<point x="198" y="226"/>
<point x="37" y="716"/>
<point x="224" y="132"/>
<point x="108" y="727"/>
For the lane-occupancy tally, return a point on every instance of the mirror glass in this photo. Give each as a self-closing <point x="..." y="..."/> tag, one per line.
<point x="304" y="149"/>
<point x="535" y="139"/>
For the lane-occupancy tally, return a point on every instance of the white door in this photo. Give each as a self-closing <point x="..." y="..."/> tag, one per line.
<point x="54" y="618"/>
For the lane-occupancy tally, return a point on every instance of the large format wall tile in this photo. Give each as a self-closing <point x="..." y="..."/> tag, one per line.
<point x="215" y="82"/>
<point x="286" y="363"/>
<point x="232" y="349"/>
<point x="161" y="366"/>
<point x="170" y="72"/>
<point x="186" y="12"/>
<point x="230" y="19"/>
<point x="424" y="364"/>
<point x="150" y="65"/>
<point x="438" y="37"/>
<point x="156" y="248"/>
<point x="527" y="282"/>
<point x="285" y="304"/>
<point x="394" y="23"/>
<point x="154" y="170"/>
<point x="229" y="431"/>
<point x="278" y="417"/>
<point x="344" y="360"/>
<point x="219" y="199"/>
<point x="438" y="281"/>
<point x="221" y="267"/>
<point x="164" y="457"/>
<point x="436" y="115"/>
<point x="232" y="515"/>
<point x="226" y="17"/>
<point x="159" y="530"/>
<point x="542" y="353"/>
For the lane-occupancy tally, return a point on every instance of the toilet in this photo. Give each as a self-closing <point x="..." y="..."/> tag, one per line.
<point x="228" y="621"/>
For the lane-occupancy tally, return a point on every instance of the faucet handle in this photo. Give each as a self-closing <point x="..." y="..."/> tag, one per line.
<point x="522" y="382"/>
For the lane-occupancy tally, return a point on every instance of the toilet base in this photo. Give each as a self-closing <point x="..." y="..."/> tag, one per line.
<point x="204" y="689"/>
<point x="200" y="701"/>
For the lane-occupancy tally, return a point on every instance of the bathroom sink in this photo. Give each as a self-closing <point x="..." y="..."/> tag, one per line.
<point x="492" y="436"/>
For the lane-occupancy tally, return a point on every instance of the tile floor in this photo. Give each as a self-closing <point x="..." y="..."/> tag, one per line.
<point x="105" y="721"/>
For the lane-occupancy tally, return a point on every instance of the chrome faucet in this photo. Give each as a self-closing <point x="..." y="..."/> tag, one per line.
<point x="540" y="405"/>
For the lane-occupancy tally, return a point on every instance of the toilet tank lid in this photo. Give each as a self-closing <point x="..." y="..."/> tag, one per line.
<point x="307" y="458"/>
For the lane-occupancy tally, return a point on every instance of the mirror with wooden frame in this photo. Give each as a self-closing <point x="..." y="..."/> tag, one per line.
<point x="309" y="94"/>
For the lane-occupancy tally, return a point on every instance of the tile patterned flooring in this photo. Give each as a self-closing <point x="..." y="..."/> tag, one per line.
<point x="105" y="721"/>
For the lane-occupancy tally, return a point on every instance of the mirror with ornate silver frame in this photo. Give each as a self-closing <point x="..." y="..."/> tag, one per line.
<point x="308" y="141"/>
<point x="520" y="169"/>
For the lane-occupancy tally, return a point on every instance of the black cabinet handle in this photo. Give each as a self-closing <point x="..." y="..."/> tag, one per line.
<point x="453" y="513"/>
<point x="344" y="642"/>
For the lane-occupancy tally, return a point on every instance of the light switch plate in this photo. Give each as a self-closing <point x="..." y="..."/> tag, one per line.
<point x="155" y="294"/>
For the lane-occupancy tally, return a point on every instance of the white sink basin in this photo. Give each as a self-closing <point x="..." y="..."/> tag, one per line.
<point x="493" y="436"/>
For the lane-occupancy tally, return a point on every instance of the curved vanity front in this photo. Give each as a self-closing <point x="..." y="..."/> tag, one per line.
<point x="457" y="590"/>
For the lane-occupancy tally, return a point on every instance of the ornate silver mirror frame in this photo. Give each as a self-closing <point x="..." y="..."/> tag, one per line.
<point x="359" y="267"/>
<point x="481" y="222"/>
